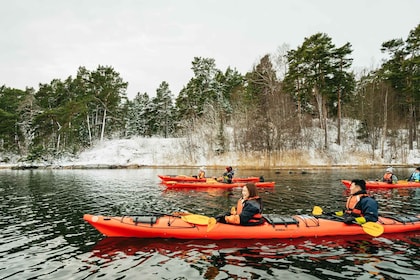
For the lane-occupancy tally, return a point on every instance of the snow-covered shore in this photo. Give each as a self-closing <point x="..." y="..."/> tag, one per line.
<point x="159" y="152"/>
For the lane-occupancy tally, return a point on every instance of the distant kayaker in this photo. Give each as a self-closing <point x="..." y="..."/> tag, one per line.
<point x="389" y="176"/>
<point x="360" y="207"/>
<point x="227" y="176"/>
<point x="201" y="173"/>
<point x="415" y="176"/>
<point x="248" y="210"/>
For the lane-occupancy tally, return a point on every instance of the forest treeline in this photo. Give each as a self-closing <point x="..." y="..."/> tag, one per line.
<point x="268" y="109"/>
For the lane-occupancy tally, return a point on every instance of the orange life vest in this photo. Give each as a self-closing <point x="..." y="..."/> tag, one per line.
<point x="387" y="177"/>
<point x="235" y="219"/>
<point x="352" y="202"/>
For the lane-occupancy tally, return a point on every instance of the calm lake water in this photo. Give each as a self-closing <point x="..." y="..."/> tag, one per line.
<point x="43" y="235"/>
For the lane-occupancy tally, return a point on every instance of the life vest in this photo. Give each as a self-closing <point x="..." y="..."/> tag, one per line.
<point x="415" y="177"/>
<point x="255" y="220"/>
<point x="352" y="203"/>
<point x="387" y="177"/>
<point x="201" y="175"/>
<point x="227" y="177"/>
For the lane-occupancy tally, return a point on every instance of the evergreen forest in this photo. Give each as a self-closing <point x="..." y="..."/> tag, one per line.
<point x="267" y="110"/>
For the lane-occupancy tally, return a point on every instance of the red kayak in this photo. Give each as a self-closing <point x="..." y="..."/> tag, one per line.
<point x="214" y="184"/>
<point x="185" y="178"/>
<point x="384" y="185"/>
<point x="275" y="227"/>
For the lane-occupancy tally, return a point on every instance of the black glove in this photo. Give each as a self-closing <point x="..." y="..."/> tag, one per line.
<point x="348" y="219"/>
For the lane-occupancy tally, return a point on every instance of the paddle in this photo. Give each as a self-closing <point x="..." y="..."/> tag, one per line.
<point x="196" y="219"/>
<point x="371" y="228"/>
<point x="200" y="220"/>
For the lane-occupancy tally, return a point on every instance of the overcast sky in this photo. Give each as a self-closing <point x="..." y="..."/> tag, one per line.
<point x="151" y="41"/>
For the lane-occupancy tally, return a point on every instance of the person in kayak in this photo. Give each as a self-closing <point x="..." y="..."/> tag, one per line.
<point x="389" y="176"/>
<point x="248" y="211"/>
<point x="360" y="207"/>
<point x="415" y="176"/>
<point x="201" y="173"/>
<point x="227" y="176"/>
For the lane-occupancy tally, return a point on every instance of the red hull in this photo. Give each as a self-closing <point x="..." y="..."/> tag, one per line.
<point x="175" y="227"/>
<point x="383" y="185"/>
<point x="184" y="178"/>
<point x="174" y="184"/>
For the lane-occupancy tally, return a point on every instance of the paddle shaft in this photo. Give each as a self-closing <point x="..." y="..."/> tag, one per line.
<point x="370" y="228"/>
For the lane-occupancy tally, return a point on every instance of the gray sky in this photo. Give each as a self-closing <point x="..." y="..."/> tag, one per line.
<point x="151" y="41"/>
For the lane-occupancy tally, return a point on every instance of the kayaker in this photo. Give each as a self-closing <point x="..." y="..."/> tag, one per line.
<point x="248" y="211"/>
<point x="227" y="176"/>
<point x="201" y="173"/>
<point x="415" y="176"/>
<point x="360" y="207"/>
<point x="389" y="176"/>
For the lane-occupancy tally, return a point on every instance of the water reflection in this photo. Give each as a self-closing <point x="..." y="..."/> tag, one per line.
<point x="320" y="257"/>
<point x="43" y="235"/>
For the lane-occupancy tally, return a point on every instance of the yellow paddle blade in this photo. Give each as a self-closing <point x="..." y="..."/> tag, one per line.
<point x="370" y="228"/>
<point x="373" y="229"/>
<point x="212" y="222"/>
<point x="196" y="219"/>
<point x="317" y="211"/>
<point x="211" y="180"/>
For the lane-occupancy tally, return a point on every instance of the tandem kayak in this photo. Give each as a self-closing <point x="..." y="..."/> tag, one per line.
<point x="214" y="184"/>
<point x="274" y="227"/>
<point x="384" y="185"/>
<point x="184" y="178"/>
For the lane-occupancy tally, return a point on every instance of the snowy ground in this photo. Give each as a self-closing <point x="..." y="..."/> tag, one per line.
<point x="140" y="151"/>
<point x="168" y="152"/>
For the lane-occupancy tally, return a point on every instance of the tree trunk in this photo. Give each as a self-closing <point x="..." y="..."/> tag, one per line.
<point x="411" y="127"/>
<point x="89" y="131"/>
<point x="58" y="137"/>
<point x="103" y="125"/>
<point x="324" y="108"/>
<point x="339" y="109"/>
<point x="339" y="118"/>
<point x="384" y="127"/>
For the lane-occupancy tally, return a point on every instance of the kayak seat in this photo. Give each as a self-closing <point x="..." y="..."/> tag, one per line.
<point x="404" y="219"/>
<point x="275" y="219"/>
<point x="145" y="219"/>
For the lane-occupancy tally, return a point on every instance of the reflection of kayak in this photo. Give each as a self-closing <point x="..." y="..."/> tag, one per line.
<point x="184" y="178"/>
<point x="168" y="226"/>
<point x="109" y="247"/>
<point x="384" y="185"/>
<point x="175" y="184"/>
